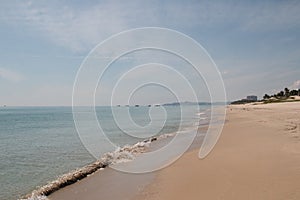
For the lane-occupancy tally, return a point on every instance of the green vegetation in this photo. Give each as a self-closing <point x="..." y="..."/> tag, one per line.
<point x="285" y="95"/>
<point x="242" y="101"/>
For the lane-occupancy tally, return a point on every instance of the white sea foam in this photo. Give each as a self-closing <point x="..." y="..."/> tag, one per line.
<point x="38" y="197"/>
<point x="121" y="154"/>
<point x="124" y="154"/>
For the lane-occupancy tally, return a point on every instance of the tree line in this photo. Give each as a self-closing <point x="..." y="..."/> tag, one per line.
<point x="283" y="94"/>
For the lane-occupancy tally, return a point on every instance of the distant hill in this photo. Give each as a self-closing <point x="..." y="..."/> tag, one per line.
<point x="195" y="103"/>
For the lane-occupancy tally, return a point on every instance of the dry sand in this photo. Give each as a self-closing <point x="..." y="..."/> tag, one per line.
<point x="257" y="157"/>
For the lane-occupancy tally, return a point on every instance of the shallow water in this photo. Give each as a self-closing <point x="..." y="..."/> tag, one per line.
<point x="37" y="144"/>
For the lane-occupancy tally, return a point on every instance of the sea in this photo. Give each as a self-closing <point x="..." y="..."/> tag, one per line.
<point x="39" y="144"/>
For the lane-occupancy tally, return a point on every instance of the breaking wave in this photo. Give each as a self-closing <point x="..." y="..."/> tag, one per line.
<point x="121" y="154"/>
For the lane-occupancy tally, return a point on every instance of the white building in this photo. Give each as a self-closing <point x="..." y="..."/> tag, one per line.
<point x="252" y="98"/>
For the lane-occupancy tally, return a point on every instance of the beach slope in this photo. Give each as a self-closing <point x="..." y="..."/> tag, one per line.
<point x="257" y="157"/>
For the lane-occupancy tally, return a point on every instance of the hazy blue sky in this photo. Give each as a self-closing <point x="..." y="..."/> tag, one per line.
<point x="255" y="44"/>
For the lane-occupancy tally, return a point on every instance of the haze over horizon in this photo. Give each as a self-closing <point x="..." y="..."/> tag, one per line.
<point x="254" y="44"/>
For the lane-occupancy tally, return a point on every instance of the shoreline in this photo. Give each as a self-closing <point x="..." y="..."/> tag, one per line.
<point x="121" y="155"/>
<point x="101" y="183"/>
<point x="256" y="157"/>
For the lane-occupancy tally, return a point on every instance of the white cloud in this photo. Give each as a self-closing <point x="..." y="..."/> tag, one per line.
<point x="11" y="75"/>
<point x="80" y="27"/>
<point x="77" y="29"/>
<point x="273" y="16"/>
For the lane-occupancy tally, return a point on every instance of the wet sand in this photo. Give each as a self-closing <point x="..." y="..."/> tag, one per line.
<point x="109" y="183"/>
<point x="105" y="184"/>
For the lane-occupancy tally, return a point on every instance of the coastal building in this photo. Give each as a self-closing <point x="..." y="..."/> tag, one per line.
<point x="252" y="98"/>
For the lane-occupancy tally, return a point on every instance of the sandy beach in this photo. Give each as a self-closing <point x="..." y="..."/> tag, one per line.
<point x="256" y="157"/>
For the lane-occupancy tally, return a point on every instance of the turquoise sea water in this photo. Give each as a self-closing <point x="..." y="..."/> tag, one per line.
<point x="37" y="144"/>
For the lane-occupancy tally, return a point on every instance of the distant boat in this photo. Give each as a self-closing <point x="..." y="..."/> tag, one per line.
<point x="118" y="105"/>
<point x="4" y="105"/>
<point x="149" y="105"/>
<point x="157" y="105"/>
<point x="137" y="105"/>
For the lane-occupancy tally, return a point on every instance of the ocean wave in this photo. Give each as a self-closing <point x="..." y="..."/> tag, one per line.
<point x="121" y="154"/>
<point x="39" y="197"/>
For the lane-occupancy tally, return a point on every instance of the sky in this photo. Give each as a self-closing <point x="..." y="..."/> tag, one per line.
<point x="255" y="45"/>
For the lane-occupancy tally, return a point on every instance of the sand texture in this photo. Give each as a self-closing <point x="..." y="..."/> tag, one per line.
<point x="257" y="157"/>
